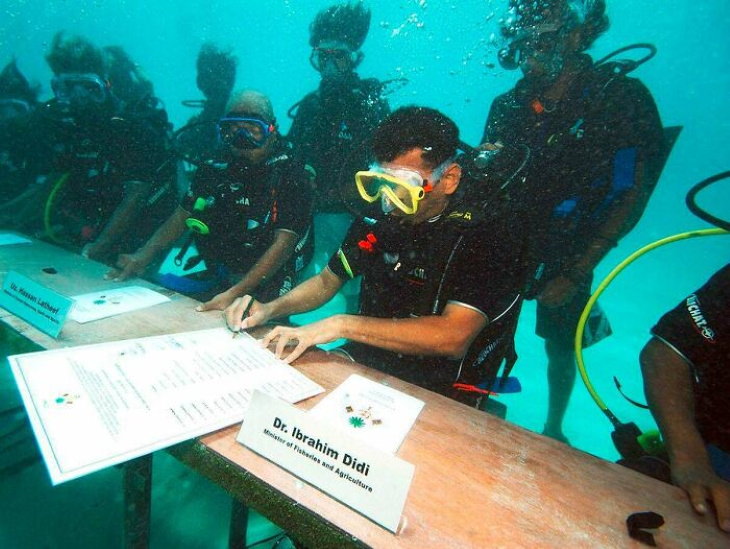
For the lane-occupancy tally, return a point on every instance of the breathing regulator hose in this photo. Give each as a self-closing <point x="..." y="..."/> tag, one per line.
<point x="49" y="208"/>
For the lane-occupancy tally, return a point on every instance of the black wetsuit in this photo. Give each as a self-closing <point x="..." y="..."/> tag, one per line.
<point x="330" y="131"/>
<point x="102" y="151"/>
<point x="698" y="329"/>
<point x="584" y="150"/>
<point x="244" y="207"/>
<point x="19" y="157"/>
<point x="416" y="270"/>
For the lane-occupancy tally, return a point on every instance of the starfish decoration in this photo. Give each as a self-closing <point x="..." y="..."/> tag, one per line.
<point x="357" y="422"/>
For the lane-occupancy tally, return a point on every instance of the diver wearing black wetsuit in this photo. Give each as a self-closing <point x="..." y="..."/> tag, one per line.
<point x="596" y="142"/>
<point x="112" y="178"/>
<point x="242" y="206"/>
<point x="412" y="271"/>
<point x="330" y="130"/>
<point x="686" y="369"/>
<point x="98" y="156"/>
<point x="698" y="330"/>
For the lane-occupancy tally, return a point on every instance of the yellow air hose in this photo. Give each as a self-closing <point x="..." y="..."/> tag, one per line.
<point x="600" y="289"/>
<point x="49" y="206"/>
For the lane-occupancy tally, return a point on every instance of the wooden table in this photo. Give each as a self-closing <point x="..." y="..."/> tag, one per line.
<point x="479" y="481"/>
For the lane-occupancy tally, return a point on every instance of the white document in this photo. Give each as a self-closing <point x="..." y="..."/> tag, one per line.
<point x="6" y="239"/>
<point x="99" y="405"/>
<point x="372" y="412"/>
<point x="96" y="305"/>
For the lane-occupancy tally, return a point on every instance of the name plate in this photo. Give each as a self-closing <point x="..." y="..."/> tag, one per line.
<point x="366" y="479"/>
<point x="34" y="303"/>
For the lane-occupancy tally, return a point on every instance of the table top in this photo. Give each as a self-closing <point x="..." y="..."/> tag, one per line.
<point x="479" y="481"/>
<point x="76" y="275"/>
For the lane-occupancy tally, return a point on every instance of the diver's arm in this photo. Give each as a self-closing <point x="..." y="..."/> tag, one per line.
<point x="668" y="389"/>
<point x="307" y="296"/>
<point x="169" y="232"/>
<point x="133" y="264"/>
<point x="25" y="209"/>
<point x="623" y="216"/>
<point x="268" y="264"/>
<point x="448" y="334"/>
<point x="135" y="193"/>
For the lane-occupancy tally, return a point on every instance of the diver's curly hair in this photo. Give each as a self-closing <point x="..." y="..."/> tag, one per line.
<point x="590" y="15"/>
<point x="348" y="23"/>
<point x="70" y="53"/>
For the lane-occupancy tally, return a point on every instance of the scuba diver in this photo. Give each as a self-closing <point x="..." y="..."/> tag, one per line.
<point x="18" y="101"/>
<point x="112" y="182"/>
<point x="426" y="315"/>
<point x="331" y="125"/>
<point x="248" y="214"/>
<point x="597" y="147"/>
<point x="686" y="381"/>
<point x="216" y="76"/>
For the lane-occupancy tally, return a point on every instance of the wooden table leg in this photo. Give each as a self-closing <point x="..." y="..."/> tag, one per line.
<point x="137" y="480"/>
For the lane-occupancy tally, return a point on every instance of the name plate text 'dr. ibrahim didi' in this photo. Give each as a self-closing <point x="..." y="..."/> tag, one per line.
<point x="364" y="478"/>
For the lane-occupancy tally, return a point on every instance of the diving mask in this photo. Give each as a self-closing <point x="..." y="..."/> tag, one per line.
<point x="543" y="41"/>
<point x="244" y="131"/>
<point x="79" y="88"/>
<point x="334" y="58"/>
<point x="400" y="188"/>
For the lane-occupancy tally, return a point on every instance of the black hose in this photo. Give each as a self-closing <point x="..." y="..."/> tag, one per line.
<point x="699" y="212"/>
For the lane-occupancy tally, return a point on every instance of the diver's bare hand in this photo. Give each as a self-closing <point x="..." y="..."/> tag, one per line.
<point x="486" y="146"/>
<point x="558" y="291"/>
<point x="218" y="303"/>
<point x="129" y="266"/>
<point x="301" y="337"/>
<point x="703" y="485"/>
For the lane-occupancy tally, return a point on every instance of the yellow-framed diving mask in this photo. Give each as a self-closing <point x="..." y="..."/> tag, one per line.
<point x="400" y="188"/>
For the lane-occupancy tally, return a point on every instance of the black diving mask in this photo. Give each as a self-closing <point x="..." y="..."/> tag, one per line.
<point x="528" y="44"/>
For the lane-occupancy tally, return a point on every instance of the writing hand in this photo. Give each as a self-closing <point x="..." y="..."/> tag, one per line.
<point x="245" y="313"/>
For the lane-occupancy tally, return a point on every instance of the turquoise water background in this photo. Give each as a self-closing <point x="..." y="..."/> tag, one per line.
<point x="444" y="50"/>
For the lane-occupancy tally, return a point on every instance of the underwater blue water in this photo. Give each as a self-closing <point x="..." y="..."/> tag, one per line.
<point x="443" y="48"/>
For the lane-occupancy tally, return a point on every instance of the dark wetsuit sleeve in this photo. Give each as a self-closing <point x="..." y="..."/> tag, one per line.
<point x="346" y="262"/>
<point x="293" y="207"/>
<point x="486" y="272"/>
<point x="698" y="328"/>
